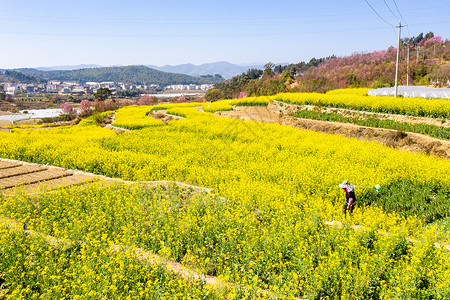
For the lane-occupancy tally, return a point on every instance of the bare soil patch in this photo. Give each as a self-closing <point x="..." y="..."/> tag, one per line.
<point x="31" y="178"/>
<point x="28" y="122"/>
<point x="5" y="123"/>
<point x="23" y="177"/>
<point x="19" y="170"/>
<point x="7" y="113"/>
<point x="8" y="164"/>
<point x="70" y="180"/>
<point x="163" y="115"/>
<point x="252" y="113"/>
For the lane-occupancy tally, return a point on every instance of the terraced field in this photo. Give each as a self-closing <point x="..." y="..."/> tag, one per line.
<point x="267" y="225"/>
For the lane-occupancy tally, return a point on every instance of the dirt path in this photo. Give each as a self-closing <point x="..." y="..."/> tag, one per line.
<point x="5" y="123"/>
<point x="109" y="124"/>
<point x="252" y="113"/>
<point x="162" y="115"/>
<point x="275" y="113"/>
<point x="141" y="254"/>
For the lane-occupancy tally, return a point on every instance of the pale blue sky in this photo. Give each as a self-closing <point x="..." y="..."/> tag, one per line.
<point x="47" y="33"/>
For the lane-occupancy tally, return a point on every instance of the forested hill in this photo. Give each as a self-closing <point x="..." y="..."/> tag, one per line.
<point x="429" y="62"/>
<point x="127" y="74"/>
<point x="11" y="76"/>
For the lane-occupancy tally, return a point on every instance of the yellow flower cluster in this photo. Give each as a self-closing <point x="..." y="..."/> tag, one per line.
<point x="135" y="117"/>
<point x="205" y="106"/>
<point x="354" y="91"/>
<point x="222" y="153"/>
<point x="24" y="126"/>
<point x="358" y="99"/>
<point x="32" y="268"/>
<point x="285" y="248"/>
<point x="388" y="104"/>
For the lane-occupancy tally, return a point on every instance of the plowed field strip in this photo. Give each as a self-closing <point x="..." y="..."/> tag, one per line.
<point x="8" y="164"/>
<point x="31" y="178"/>
<point x="19" y="170"/>
<point x="33" y="182"/>
<point x="50" y="184"/>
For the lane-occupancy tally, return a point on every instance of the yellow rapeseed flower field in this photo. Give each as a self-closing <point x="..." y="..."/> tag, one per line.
<point x="264" y="229"/>
<point x="358" y="99"/>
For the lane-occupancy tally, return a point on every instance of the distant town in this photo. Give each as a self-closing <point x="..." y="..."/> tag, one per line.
<point x="90" y="88"/>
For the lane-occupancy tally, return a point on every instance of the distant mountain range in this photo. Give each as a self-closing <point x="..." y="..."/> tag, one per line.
<point x="67" y="67"/>
<point x="127" y="74"/>
<point x="226" y="69"/>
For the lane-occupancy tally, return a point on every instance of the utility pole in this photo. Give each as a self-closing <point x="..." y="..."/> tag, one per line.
<point x="407" y="68"/>
<point x="398" y="54"/>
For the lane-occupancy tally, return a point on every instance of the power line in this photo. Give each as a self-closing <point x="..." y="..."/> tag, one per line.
<point x="390" y="9"/>
<point x="399" y="13"/>
<point x="377" y="13"/>
<point x="183" y="34"/>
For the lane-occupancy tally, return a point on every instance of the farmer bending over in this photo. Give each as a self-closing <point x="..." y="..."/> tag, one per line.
<point x="349" y="195"/>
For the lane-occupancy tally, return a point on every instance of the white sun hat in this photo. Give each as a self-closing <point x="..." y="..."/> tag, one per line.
<point x="346" y="185"/>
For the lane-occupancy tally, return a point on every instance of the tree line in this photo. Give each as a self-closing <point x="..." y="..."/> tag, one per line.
<point x="271" y="80"/>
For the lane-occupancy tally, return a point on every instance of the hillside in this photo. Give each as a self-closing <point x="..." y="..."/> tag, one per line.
<point x="429" y="63"/>
<point x="127" y="74"/>
<point x="10" y="76"/>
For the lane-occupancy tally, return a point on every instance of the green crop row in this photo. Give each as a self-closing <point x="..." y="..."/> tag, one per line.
<point x="431" y="130"/>
<point x="430" y="202"/>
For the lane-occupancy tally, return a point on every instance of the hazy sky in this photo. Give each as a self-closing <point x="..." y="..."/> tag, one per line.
<point x="48" y="33"/>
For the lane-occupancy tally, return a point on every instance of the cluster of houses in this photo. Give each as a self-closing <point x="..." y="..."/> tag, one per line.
<point x="75" y="88"/>
<point x="189" y="87"/>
